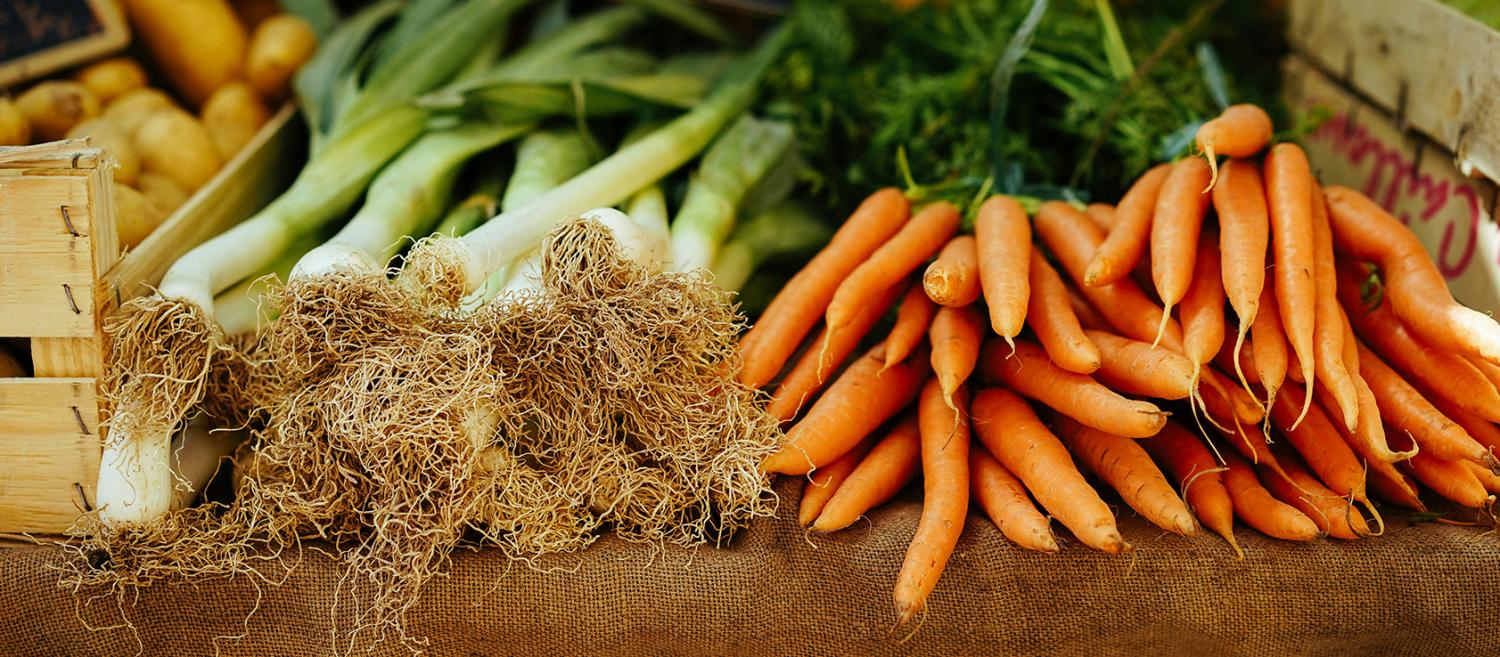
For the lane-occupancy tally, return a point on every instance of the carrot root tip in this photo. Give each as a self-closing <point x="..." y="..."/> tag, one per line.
<point x="1213" y="166"/>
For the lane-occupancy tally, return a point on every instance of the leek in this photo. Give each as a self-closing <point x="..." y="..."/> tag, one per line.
<point x="788" y="230"/>
<point x="470" y="259"/>
<point x="736" y="161"/>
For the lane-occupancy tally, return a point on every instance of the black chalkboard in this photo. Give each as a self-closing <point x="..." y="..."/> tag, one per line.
<point x="40" y="36"/>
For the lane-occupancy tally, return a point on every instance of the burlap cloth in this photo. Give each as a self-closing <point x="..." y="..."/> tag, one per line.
<point x="1420" y="590"/>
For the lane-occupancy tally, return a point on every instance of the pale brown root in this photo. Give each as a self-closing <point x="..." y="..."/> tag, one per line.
<point x="158" y="363"/>
<point x="434" y="271"/>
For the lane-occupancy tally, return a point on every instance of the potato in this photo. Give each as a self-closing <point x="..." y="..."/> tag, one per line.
<point x="198" y="44"/>
<point x="131" y="108"/>
<point x="162" y="192"/>
<point x="173" y="143"/>
<point x="116" y="144"/>
<point x="233" y="115"/>
<point x="279" y="46"/>
<point x="112" y="77"/>
<point x="135" y="217"/>
<point x="55" y="106"/>
<point x="15" y="130"/>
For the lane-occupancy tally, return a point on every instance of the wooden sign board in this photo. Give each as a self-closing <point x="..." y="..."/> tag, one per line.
<point x="38" y="37"/>
<point x="1419" y="181"/>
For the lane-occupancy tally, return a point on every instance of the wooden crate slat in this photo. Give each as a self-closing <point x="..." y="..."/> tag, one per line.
<point x="66" y="357"/>
<point x="49" y="445"/>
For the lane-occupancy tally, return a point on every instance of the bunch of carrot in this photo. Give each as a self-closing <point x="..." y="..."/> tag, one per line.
<point x="1061" y="376"/>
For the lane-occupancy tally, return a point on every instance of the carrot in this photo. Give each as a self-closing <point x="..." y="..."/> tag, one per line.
<point x="1030" y="373"/>
<point x="1289" y="183"/>
<point x="1054" y="322"/>
<point x="917" y="241"/>
<point x="1417" y="291"/>
<point x="1244" y="225"/>
<point x="1328" y="327"/>
<point x="1452" y="480"/>
<point x="863" y="398"/>
<point x="1012" y="432"/>
<point x="1486" y="477"/>
<point x="1006" y="502"/>
<point x="1102" y="214"/>
<point x="1250" y="446"/>
<point x="1259" y="509"/>
<point x="1444" y="374"/>
<point x="1396" y="488"/>
<point x="912" y="319"/>
<point x="956" y="335"/>
<point x="1402" y="407"/>
<point x="1217" y="390"/>
<point x="1088" y="317"/>
<point x="1136" y="368"/>
<point x="1118" y="254"/>
<point x="1328" y="510"/>
<point x="1378" y="462"/>
<point x="1175" y="232"/>
<point x="1241" y="130"/>
<point x="799" y="304"/>
<point x="812" y="369"/>
<point x="1126" y="467"/>
<point x="1199" y="476"/>
<point x="1238" y="357"/>
<point x="1488" y="369"/>
<point x="1003" y="235"/>
<point x="945" y="497"/>
<point x="884" y="471"/>
<point x="1321" y="445"/>
<point x="953" y="278"/>
<point x="1203" y="307"/>
<point x="1481" y="430"/>
<point x="823" y="483"/>
<point x="1073" y="240"/>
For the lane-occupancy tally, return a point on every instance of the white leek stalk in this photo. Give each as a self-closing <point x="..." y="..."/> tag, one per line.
<point x="735" y="162"/>
<point x="244" y="308"/>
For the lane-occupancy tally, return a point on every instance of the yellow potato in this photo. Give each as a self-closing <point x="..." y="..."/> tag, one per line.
<point x="131" y="108"/>
<point x="162" y="192"/>
<point x="198" y="44"/>
<point x="15" y="130"/>
<point x="279" y="46"/>
<point x="135" y="217"/>
<point x="112" y="77"/>
<point x="103" y="133"/>
<point x="55" y="106"/>
<point x="233" y="115"/>
<point x="173" y="143"/>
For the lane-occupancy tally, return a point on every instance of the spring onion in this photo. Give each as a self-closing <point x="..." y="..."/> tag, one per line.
<point x="735" y="162"/>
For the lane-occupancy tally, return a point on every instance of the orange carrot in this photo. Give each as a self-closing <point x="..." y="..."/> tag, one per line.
<point x="1451" y="480"/>
<point x="815" y="365"/>
<point x="1252" y="446"/>
<point x="1003" y="235"/>
<point x="1490" y="371"/>
<point x="1127" y="468"/>
<point x="1481" y="430"/>
<point x="1289" y="183"/>
<point x="1088" y="316"/>
<point x="1102" y="214"/>
<point x="1245" y="228"/>
<point x="912" y="319"/>
<point x="799" y="304"/>
<point x="1417" y="292"/>
<point x="863" y="398"/>
<point x="1328" y="328"/>
<point x="1241" y="130"/>
<point x="823" y="483"/>
<point x="1226" y="360"/>
<point x="1444" y="374"/>
<point x="1396" y="488"/>
<point x="1017" y="438"/>
<point x="1378" y="461"/>
<point x="884" y="471"/>
<point x="1270" y="352"/>
<point x="945" y="497"/>
<point x="1486" y="477"/>
<point x="1203" y="307"/>
<point x="1321" y="445"/>
<point x="1402" y="407"/>
<point x="1175" y="232"/>
<point x="1199" y="476"/>
<point x="917" y="241"/>
<point x="1218" y="391"/>
<point x="1259" y="509"/>
<point x="1030" y="373"/>
<point x="1006" y="502"/>
<point x="953" y="278"/>
<point x="1136" y="368"/>
<point x="956" y="335"/>
<point x="1328" y="510"/>
<point x="1073" y="239"/>
<point x="1051" y="317"/>
<point x="1118" y="254"/>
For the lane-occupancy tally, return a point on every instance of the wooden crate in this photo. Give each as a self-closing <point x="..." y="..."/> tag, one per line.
<point x="62" y="273"/>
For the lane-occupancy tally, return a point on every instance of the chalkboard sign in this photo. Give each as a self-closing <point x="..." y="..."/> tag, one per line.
<point x="38" y="37"/>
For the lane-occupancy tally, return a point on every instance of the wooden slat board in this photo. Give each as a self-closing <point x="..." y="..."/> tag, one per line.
<point x="1428" y="64"/>
<point x="49" y="441"/>
<point x="46" y="258"/>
